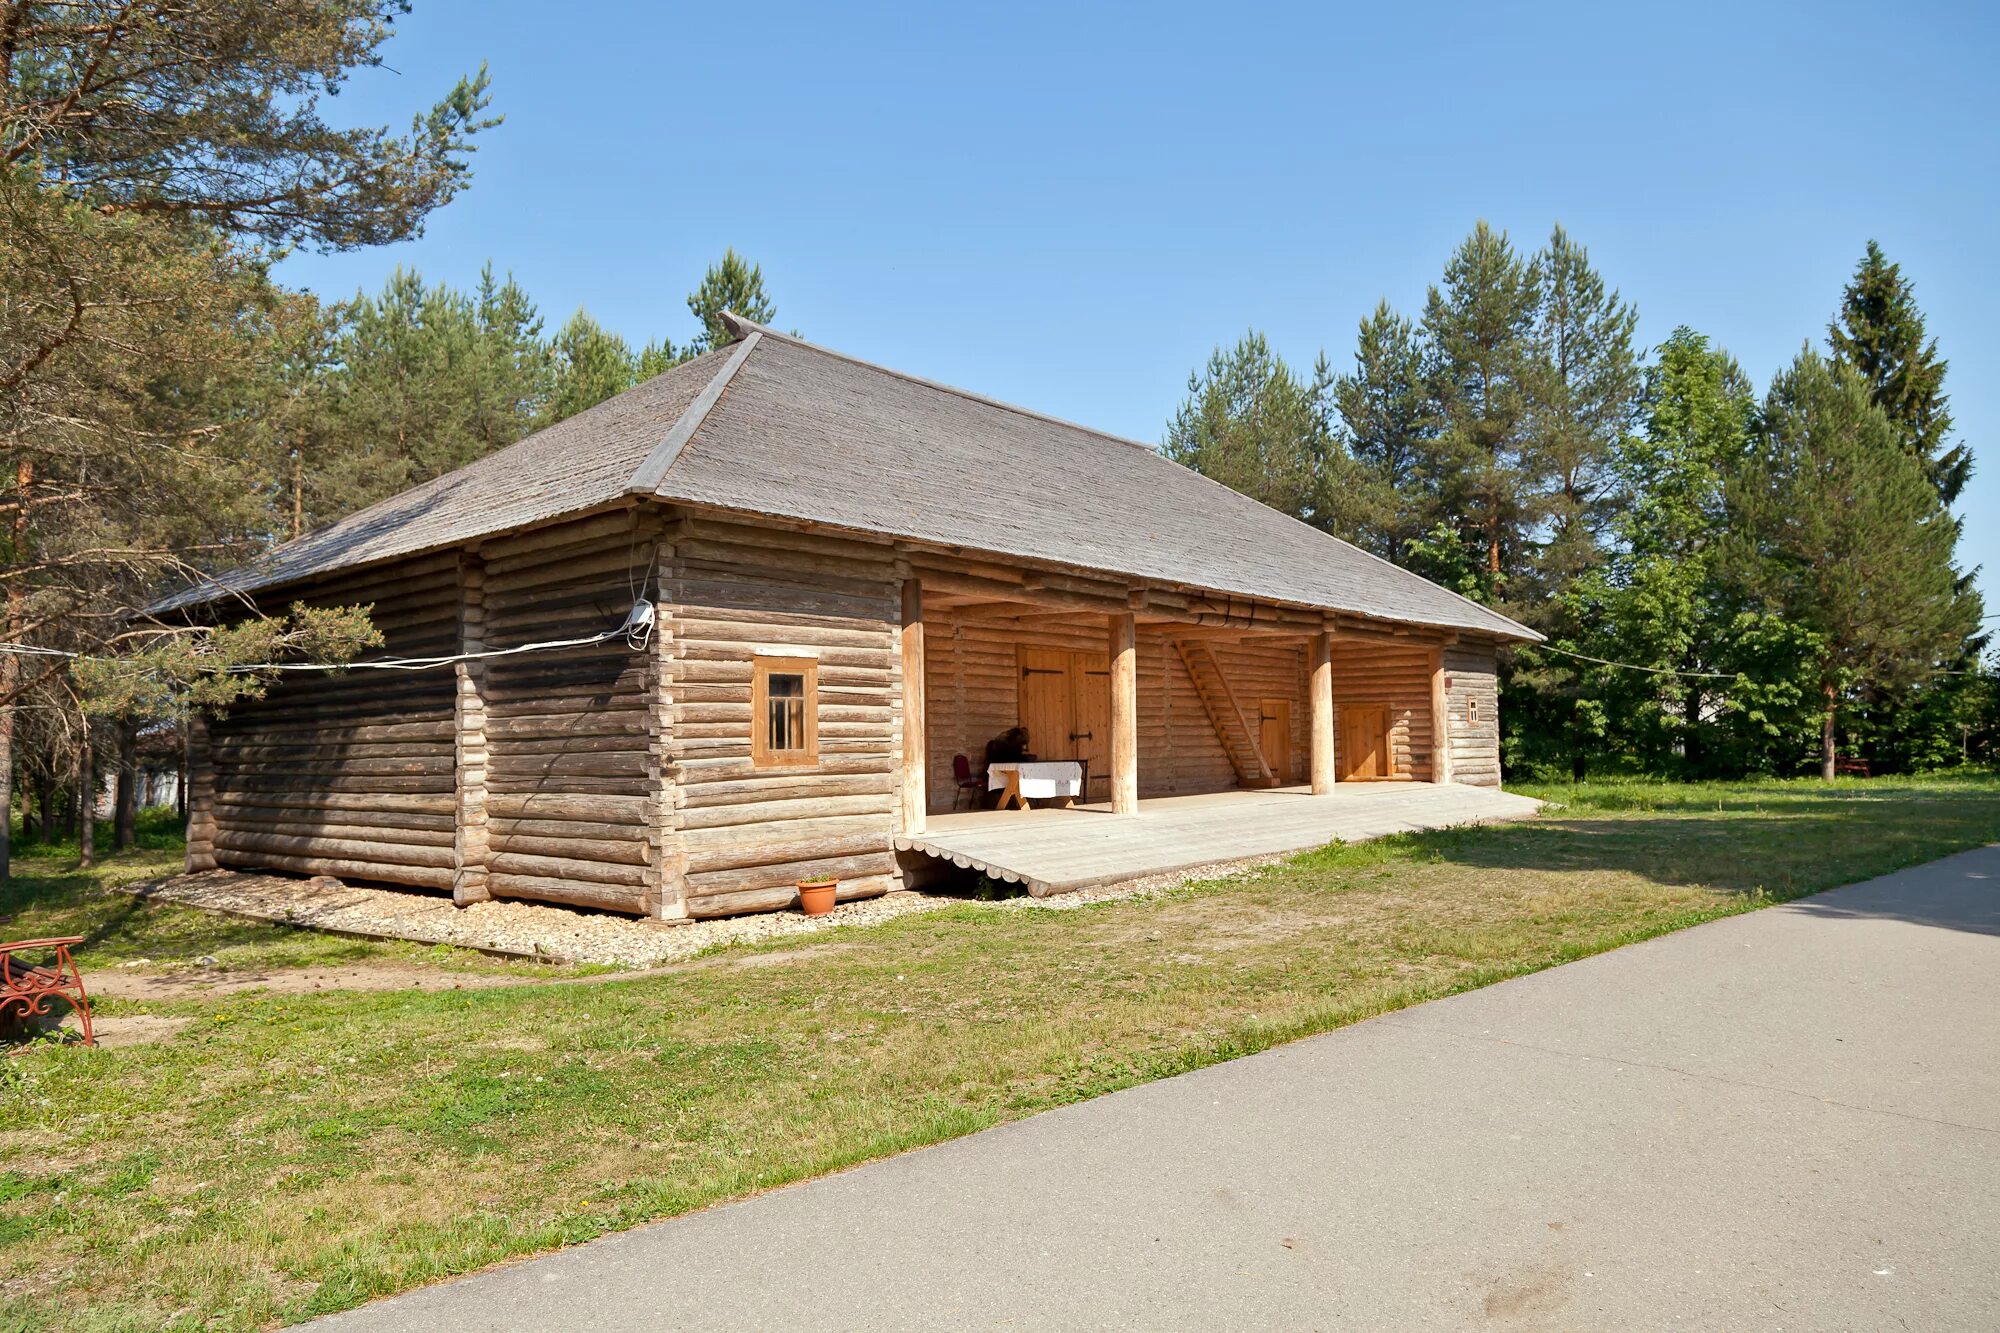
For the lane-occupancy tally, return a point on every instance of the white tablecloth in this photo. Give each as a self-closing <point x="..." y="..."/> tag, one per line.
<point x="1041" y="780"/>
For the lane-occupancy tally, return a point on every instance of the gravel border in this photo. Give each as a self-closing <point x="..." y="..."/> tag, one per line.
<point x="516" y="929"/>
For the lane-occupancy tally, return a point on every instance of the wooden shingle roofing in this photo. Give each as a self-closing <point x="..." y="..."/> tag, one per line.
<point x="773" y="425"/>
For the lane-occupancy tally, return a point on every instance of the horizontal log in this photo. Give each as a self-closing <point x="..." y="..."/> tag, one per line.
<point x="527" y="784"/>
<point x="757" y="812"/>
<point x="510" y="826"/>
<point x="389" y="853"/>
<point x="782" y="786"/>
<point x="429" y="877"/>
<point x="508" y="762"/>
<point x="699" y="771"/>
<point x="569" y="868"/>
<point x="568" y="892"/>
<point x="379" y="828"/>
<point x="712" y="882"/>
<point x="631" y="810"/>
<point x="733" y="856"/>
<point x="333" y="800"/>
<point x="630" y="851"/>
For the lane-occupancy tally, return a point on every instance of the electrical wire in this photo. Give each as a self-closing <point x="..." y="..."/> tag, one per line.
<point x="1674" y="671"/>
<point x="637" y="631"/>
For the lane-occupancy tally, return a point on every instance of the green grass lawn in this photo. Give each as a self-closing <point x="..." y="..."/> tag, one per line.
<point x="285" y="1155"/>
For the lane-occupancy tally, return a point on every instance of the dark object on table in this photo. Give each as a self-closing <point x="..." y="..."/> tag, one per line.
<point x="1009" y="747"/>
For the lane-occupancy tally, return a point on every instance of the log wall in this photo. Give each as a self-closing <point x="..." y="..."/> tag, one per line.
<point x="570" y="791"/>
<point x="745" y="834"/>
<point x="347" y="774"/>
<point x="1475" y="745"/>
<point x="1370" y="673"/>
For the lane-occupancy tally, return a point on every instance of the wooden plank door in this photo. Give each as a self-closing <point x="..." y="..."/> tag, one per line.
<point x="1090" y="739"/>
<point x="1048" y="708"/>
<point x="1363" y="746"/>
<point x="1275" y="734"/>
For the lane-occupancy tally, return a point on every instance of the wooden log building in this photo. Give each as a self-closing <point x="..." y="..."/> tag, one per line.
<point x="855" y="576"/>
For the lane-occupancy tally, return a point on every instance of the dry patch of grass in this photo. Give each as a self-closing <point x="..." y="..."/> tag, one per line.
<point x="289" y="1154"/>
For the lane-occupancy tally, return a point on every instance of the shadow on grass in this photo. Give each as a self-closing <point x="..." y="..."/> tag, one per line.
<point x="69" y="900"/>
<point x="1763" y="843"/>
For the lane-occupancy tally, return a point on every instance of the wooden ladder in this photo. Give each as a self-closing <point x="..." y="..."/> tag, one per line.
<point x="1239" y="739"/>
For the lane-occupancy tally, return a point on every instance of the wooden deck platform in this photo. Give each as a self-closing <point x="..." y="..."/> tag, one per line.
<point x="1054" y="850"/>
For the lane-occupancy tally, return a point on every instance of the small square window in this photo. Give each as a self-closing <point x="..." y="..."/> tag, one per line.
<point x="784" y="711"/>
<point x="1472" y="712"/>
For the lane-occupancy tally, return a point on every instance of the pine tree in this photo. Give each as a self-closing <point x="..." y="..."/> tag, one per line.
<point x="1252" y="424"/>
<point x="1880" y="332"/>
<point x="1392" y="430"/>
<point x="1479" y="328"/>
<point x="589" y="365"/>
<point x="511" y="370"/>
<point x="733" y="284"/>
<point x="1840" y="531"/>
<point x="1584" y="402"/>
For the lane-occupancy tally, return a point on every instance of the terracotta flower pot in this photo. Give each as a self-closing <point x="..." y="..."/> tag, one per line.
<point x="816" y="896"/>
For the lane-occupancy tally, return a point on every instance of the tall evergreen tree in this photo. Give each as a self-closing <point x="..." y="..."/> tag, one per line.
<point x="1479" y="326"/>
<point x="427" y="379"/>
<point x="589" y="365"/>
<point x="1880" y="332"/>
<point x="1392" y="429"/>
<point x="1252" y="424"/>
<point x="1840" y="531"/>
<point x="151" y="151"/>
<point x="733" y="284"/>
<point x="1584" y="402"/>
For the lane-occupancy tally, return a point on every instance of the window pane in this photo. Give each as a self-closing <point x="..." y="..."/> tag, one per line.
<point x="785" y="712"/>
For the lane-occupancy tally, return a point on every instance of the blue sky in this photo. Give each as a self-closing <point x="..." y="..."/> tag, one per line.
<point x="1068" y="206"/>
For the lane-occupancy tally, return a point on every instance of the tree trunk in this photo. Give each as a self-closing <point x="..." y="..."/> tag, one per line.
<point x="86" y="801"/>
<point x="1827" y="758"/>
<point x="125" y="805"/>
<point x="1691" y="748"/>
<point x="10" y="675"/>
<point x="10" y="664"/>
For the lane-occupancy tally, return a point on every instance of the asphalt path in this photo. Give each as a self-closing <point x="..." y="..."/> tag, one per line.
<point x="1783" y="1120"/>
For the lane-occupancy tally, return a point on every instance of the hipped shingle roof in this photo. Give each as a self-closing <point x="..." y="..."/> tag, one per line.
<point x="773" y="425"/>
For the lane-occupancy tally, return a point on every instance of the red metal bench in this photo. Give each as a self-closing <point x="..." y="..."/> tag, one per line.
<point x="27" y="988"/>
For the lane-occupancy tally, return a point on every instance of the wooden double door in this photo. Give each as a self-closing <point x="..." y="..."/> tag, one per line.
<point x="1065" y="703"/>
<point x="1361" y="748"/>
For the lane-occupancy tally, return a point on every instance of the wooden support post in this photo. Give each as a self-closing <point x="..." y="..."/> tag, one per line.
<point x="1124" y="715"/>
<point x="1322" y="713"/>
<point x="915" y="793"/>
<point x="200" y="797"/>
<point x="1440" y="720"/>
<point x="470" y="844"/>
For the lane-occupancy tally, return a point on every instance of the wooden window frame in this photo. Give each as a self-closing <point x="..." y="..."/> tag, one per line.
<point x="1472" y="710"/>
<point x="762" y="668"/>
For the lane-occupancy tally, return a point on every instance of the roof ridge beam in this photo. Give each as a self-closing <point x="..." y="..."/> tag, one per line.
<point x="653" y="471"/>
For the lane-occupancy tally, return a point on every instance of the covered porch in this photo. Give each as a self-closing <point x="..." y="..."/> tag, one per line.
<point x="1056" y="850"/>
<point x="1161" y="692"/>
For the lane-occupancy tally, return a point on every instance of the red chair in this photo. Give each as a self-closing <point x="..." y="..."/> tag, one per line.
<point x="28" y="988"/>
<point x="969" y="787"/>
